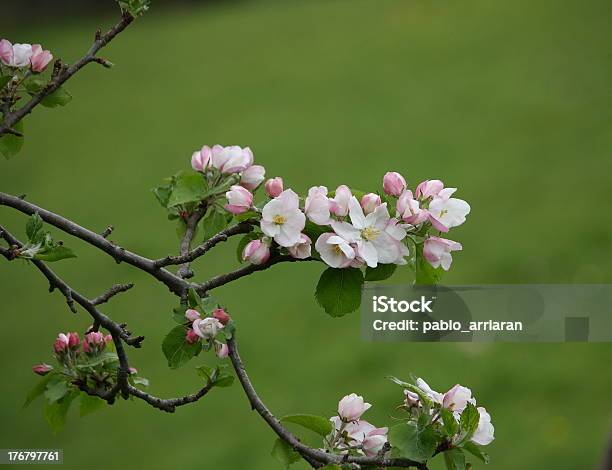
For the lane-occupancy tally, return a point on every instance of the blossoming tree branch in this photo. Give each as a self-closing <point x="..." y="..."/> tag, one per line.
<point x="357" y="236"/>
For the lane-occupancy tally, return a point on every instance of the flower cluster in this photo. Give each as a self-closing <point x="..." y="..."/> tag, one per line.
<point x="351" y="434"/>
<point x="19" y="56"/>
<point x="454" y="403"/>
<point x="207" y="328"/>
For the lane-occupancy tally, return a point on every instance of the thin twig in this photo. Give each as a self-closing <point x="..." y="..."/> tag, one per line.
<point x="113" y="291"/>
<point x="242" y="227"/>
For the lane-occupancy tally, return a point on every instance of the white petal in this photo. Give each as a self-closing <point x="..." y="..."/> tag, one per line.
<point x="356" y="213"/>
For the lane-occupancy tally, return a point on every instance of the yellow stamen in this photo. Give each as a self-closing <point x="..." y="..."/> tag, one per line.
<point x="279" y="219"/>
<point x="370" y="233"/>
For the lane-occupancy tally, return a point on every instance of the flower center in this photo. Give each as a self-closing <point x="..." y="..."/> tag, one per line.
<point x="337" y="249"/>
<point x="443" y="212"/>
<point x="370" y="233"/>
<point x="279" y="219"/>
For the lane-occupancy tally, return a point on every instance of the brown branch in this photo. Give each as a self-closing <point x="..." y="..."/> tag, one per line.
<point x="245" y="270"/>
<point x="62" y="73"/>
<point x="173" y="282"/>
<point x="192" y="222"/>
<point x="169" y="404"/>
<point x="113" y="291"/>
<point x="242" y="227"/>
<point x="318" y="456"/>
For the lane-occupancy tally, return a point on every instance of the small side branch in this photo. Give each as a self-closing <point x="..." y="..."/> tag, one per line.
<point x="242" y="227"/>
<point x="109" y="294"/>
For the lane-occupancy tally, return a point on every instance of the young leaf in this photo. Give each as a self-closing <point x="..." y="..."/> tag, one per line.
<point x="10" y="144"/>
<point x="39" y="389"/>
<point x="476" y="451"/>
<point x="193" y="298"/>
<point x="4" y="80"/>
<point x="454" y="459"/>
<point x="450" y="423"/>
<point x="56" y="389"/>
<point x="89" y="404"/>
<point x="189" y="186"/>
<point x="468" y="423"/>
<point x="209" y="304"/>
<point x="55" y="413"/>
<point x="318" y="424"/>
<point x="380" y="272"/>
<point x="284" y="453"/>
<point x="33" y="227"/>
<point x="339" y="290"/>
<point x="215" y="220"/>
<point x="414" y="443"/>
<point x="59" y="97"/>
<point x="162" y="193"/>
<point x="177" y="351"/>
<point x="54" y="253"/>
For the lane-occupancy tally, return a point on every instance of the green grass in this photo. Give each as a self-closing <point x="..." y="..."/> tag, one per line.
<point x="509" y="101"/>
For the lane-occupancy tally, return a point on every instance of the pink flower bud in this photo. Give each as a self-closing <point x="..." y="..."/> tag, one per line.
<point x="73" y="339"/>
<point x="457" y="398"/>
<point x="252" y="177"/>
<point x="40" y="58"/>
<point x="274" y="186"/>
<point x="428" y="188"/>
<point x="239" y="200"/>
<point x="231" y="159"/>
<point x="369" y="202"/>
<point x="339" y="205"/>
<point x="21" y="55"/>
<point x="221" y="315"/>
<point x="191" y="336"/>
<point x="201" y="159"/>
<point x="42" y="369"/>
<point x="221" y="350"/>
<point x="133" y="371"/>
<point x="192" y="315"/>
<point x="61" y="343"/>
<point x="6" y="52"/>
<point x="94" y="342"/>
<point x="256" y="252"/>
<point x="351" y="407"/>
<point x="108" y="339"/>
<point x="394" y="183"/>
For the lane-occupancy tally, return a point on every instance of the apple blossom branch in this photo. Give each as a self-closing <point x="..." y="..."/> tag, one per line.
<point x="61" y="73"/>
<point x="317" y="458"/>
<point x="118" y="332"/>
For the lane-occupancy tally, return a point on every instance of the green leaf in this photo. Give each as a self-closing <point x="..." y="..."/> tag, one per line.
<point x="209" y="304"/>
<point x="244" y="241"/>
<point x="425" y="272"/>
<point x="468" y="423"/>
<point x="33" y="227"/>
<point x="333" y="466"/>
<point x="339" y="290"/>
<point x="4" y="80"/>
<point x="247" y="215"/>
<point x="59" y="97"/>
<point x="55" y="253"/>
<point x="413" y="442"/>
<point x="39" y="389"/>
<point x="163" y="193"/>
<point x="193" y="298"/>
<point x="10" y="144"/>
<point x="318" y="424"/>
<point x="104" y="358"/>
<point x="380" y="272"/>
<point x="454" y="459"/>
<point x="217" y="376"/>
<point x="189" y="186"/>
<point x="476" y="451"/>
<point x="450" y="424"/>
<point x="89" y="404"/>
<point x="55" y="413"/>
<point x="284" y="453"/>
<point x="215" y="220"/>
<point x="178" y="315"/>
<point x="177" y="351"/>
<point x="224" y="380"/>
<point x="56" y="389"/>
<point x="134" y="7"/>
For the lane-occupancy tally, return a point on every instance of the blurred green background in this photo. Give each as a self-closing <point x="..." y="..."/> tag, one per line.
<point x="509" y="101"/>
